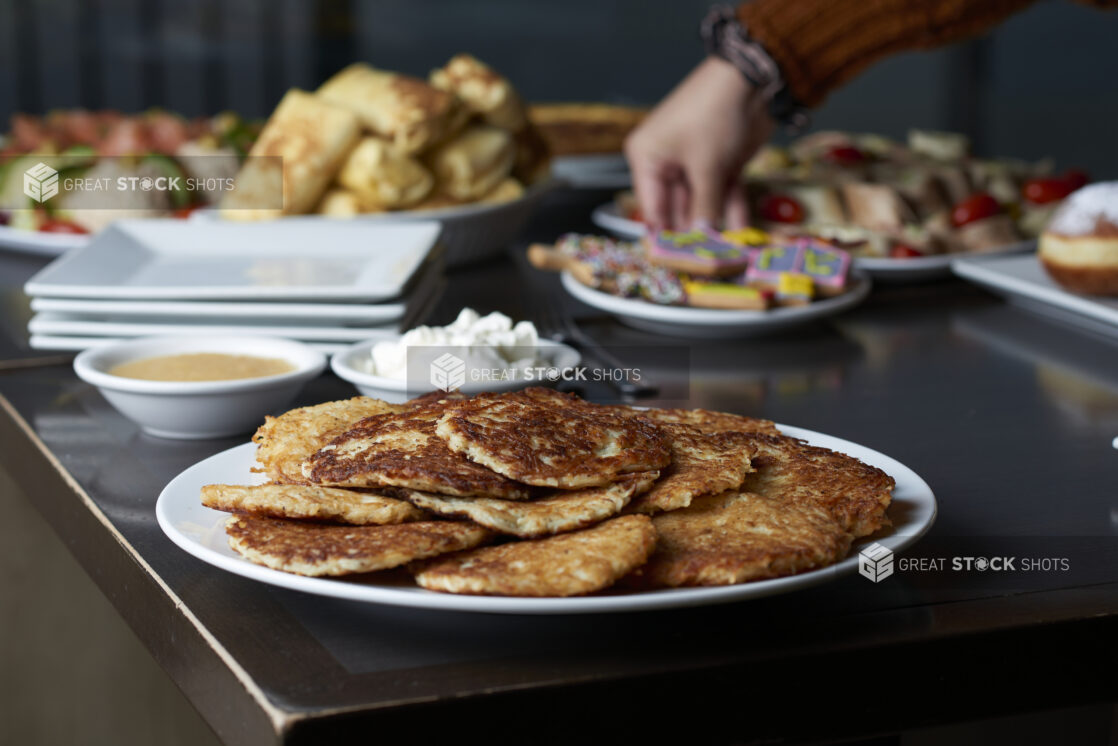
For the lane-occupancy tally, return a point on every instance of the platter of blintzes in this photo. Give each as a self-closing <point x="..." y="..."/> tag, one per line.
<point x="539" y="502"/>
<point x="374" y="144"/>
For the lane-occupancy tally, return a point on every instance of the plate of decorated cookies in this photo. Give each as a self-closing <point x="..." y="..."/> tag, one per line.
<point x="434" y="503"/>
<point x="703" y="283"/>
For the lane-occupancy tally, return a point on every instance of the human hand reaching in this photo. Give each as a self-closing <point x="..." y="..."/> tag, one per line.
<point x="686" y="157"/>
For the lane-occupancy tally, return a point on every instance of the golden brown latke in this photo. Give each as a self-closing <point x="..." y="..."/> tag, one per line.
<point x="737" y="537"/>
<point x="284" y="442"/>
<point x="709" y="421"/>
<point x="321" y="549"/>
<point x="563" y="565"/>
<point x="534" y="438"/>
<point x="855" y="493"/>
<point x="304" y="502"/>
<point x="401" y="450"/>
<point x="702" y="464"/>
<point x="558" y="512"/>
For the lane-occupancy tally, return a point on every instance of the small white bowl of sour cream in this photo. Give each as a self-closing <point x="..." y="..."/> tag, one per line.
<point x="554" y="363"/>
<point x="196" y="387"/>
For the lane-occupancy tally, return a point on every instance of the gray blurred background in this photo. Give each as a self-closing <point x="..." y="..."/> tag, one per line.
<point x="1043" y="84"/>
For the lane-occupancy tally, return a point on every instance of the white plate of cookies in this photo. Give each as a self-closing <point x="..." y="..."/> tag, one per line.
<point x="787" y="508"/>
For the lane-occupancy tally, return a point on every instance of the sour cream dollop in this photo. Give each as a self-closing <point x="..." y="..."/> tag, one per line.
<point x="490" y="342"/>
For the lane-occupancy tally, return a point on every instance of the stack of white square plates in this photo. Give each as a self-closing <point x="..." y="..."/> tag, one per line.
<point x="323" y="282"/>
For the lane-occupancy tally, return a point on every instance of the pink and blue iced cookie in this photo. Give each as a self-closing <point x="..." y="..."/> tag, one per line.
<point x="827" y="266"/>
<point x="768" y="263"/>
<point x="700" y="251"/>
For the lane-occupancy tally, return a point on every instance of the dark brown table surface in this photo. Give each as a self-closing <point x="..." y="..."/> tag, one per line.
<point x="1010" y="417"/>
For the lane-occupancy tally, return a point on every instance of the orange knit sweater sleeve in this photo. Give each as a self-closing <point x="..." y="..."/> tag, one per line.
<point x="820" y="44"/>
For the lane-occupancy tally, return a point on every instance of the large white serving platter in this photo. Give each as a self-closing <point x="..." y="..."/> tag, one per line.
<point x="199" y="531"/>
<point x="886" y="269"/>
<point x="915" y="269"/>
<point x="293" y="259"/>
<point x="714" y="323"/>
<point x="40" y="243"/>
<point x="1022" y="279"/>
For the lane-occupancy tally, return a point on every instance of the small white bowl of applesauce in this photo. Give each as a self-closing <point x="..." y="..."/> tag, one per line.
<point x="195" y="387"/>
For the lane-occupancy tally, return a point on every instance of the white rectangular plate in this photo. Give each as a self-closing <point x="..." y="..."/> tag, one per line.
<point x="293" y="259"/>
<point x="57" y="323"/>
<point x="195" y="311"/>
<point x="1023" y="278"/>
<point x="77" y="344"/>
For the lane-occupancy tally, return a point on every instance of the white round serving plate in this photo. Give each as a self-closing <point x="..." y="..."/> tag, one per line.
<point x="200" y="531"/>
<point x="934" y="267"/>
<point x="470" y="233"/>
<point x="714" y="323"/>
<point x="39" y="242"/>
<point x="351" y="365"/>
<point x="607" y="216"/>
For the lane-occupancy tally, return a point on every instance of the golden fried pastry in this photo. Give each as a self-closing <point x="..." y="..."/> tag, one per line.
<point x="473" y="162"/>
<point x="508" y="190"/>
<point x="402" y="450"/>
<point x="484" y="91"/>
<point x="557" y="512"/>
<point x="528" y="439"/>
<point x="564" y="565"/>
<point x="321" y="549"/>
<point x="303" y="502"/>
<point x="284" y="442"/>
<point x="308" y="139"/>
<point x="405" y="110"/>
<point x="533" y="158"/>
<point x="339" y="203"/>
<point x="1079" y="248"/>
<point x="383" y="176"/>
<point x="585" y="128"/>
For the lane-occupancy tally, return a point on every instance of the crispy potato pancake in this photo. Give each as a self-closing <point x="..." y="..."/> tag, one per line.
<point x="528" y="437"/>
<point x="558" y="512"/>
<point x="737" y="537"/>
<point x="310" y="503"/>
<point x="564" y="565"/>
<point x="702" y="464"/>
<point x="402" y="450"/>
<point x="708" y="421"/>
<point x="855" y="493"/>
<point x="284" y="442"/>
<point x="321" y="549"/>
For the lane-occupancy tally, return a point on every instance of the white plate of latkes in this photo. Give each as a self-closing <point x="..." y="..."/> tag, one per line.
<point x="200" y="531"/>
